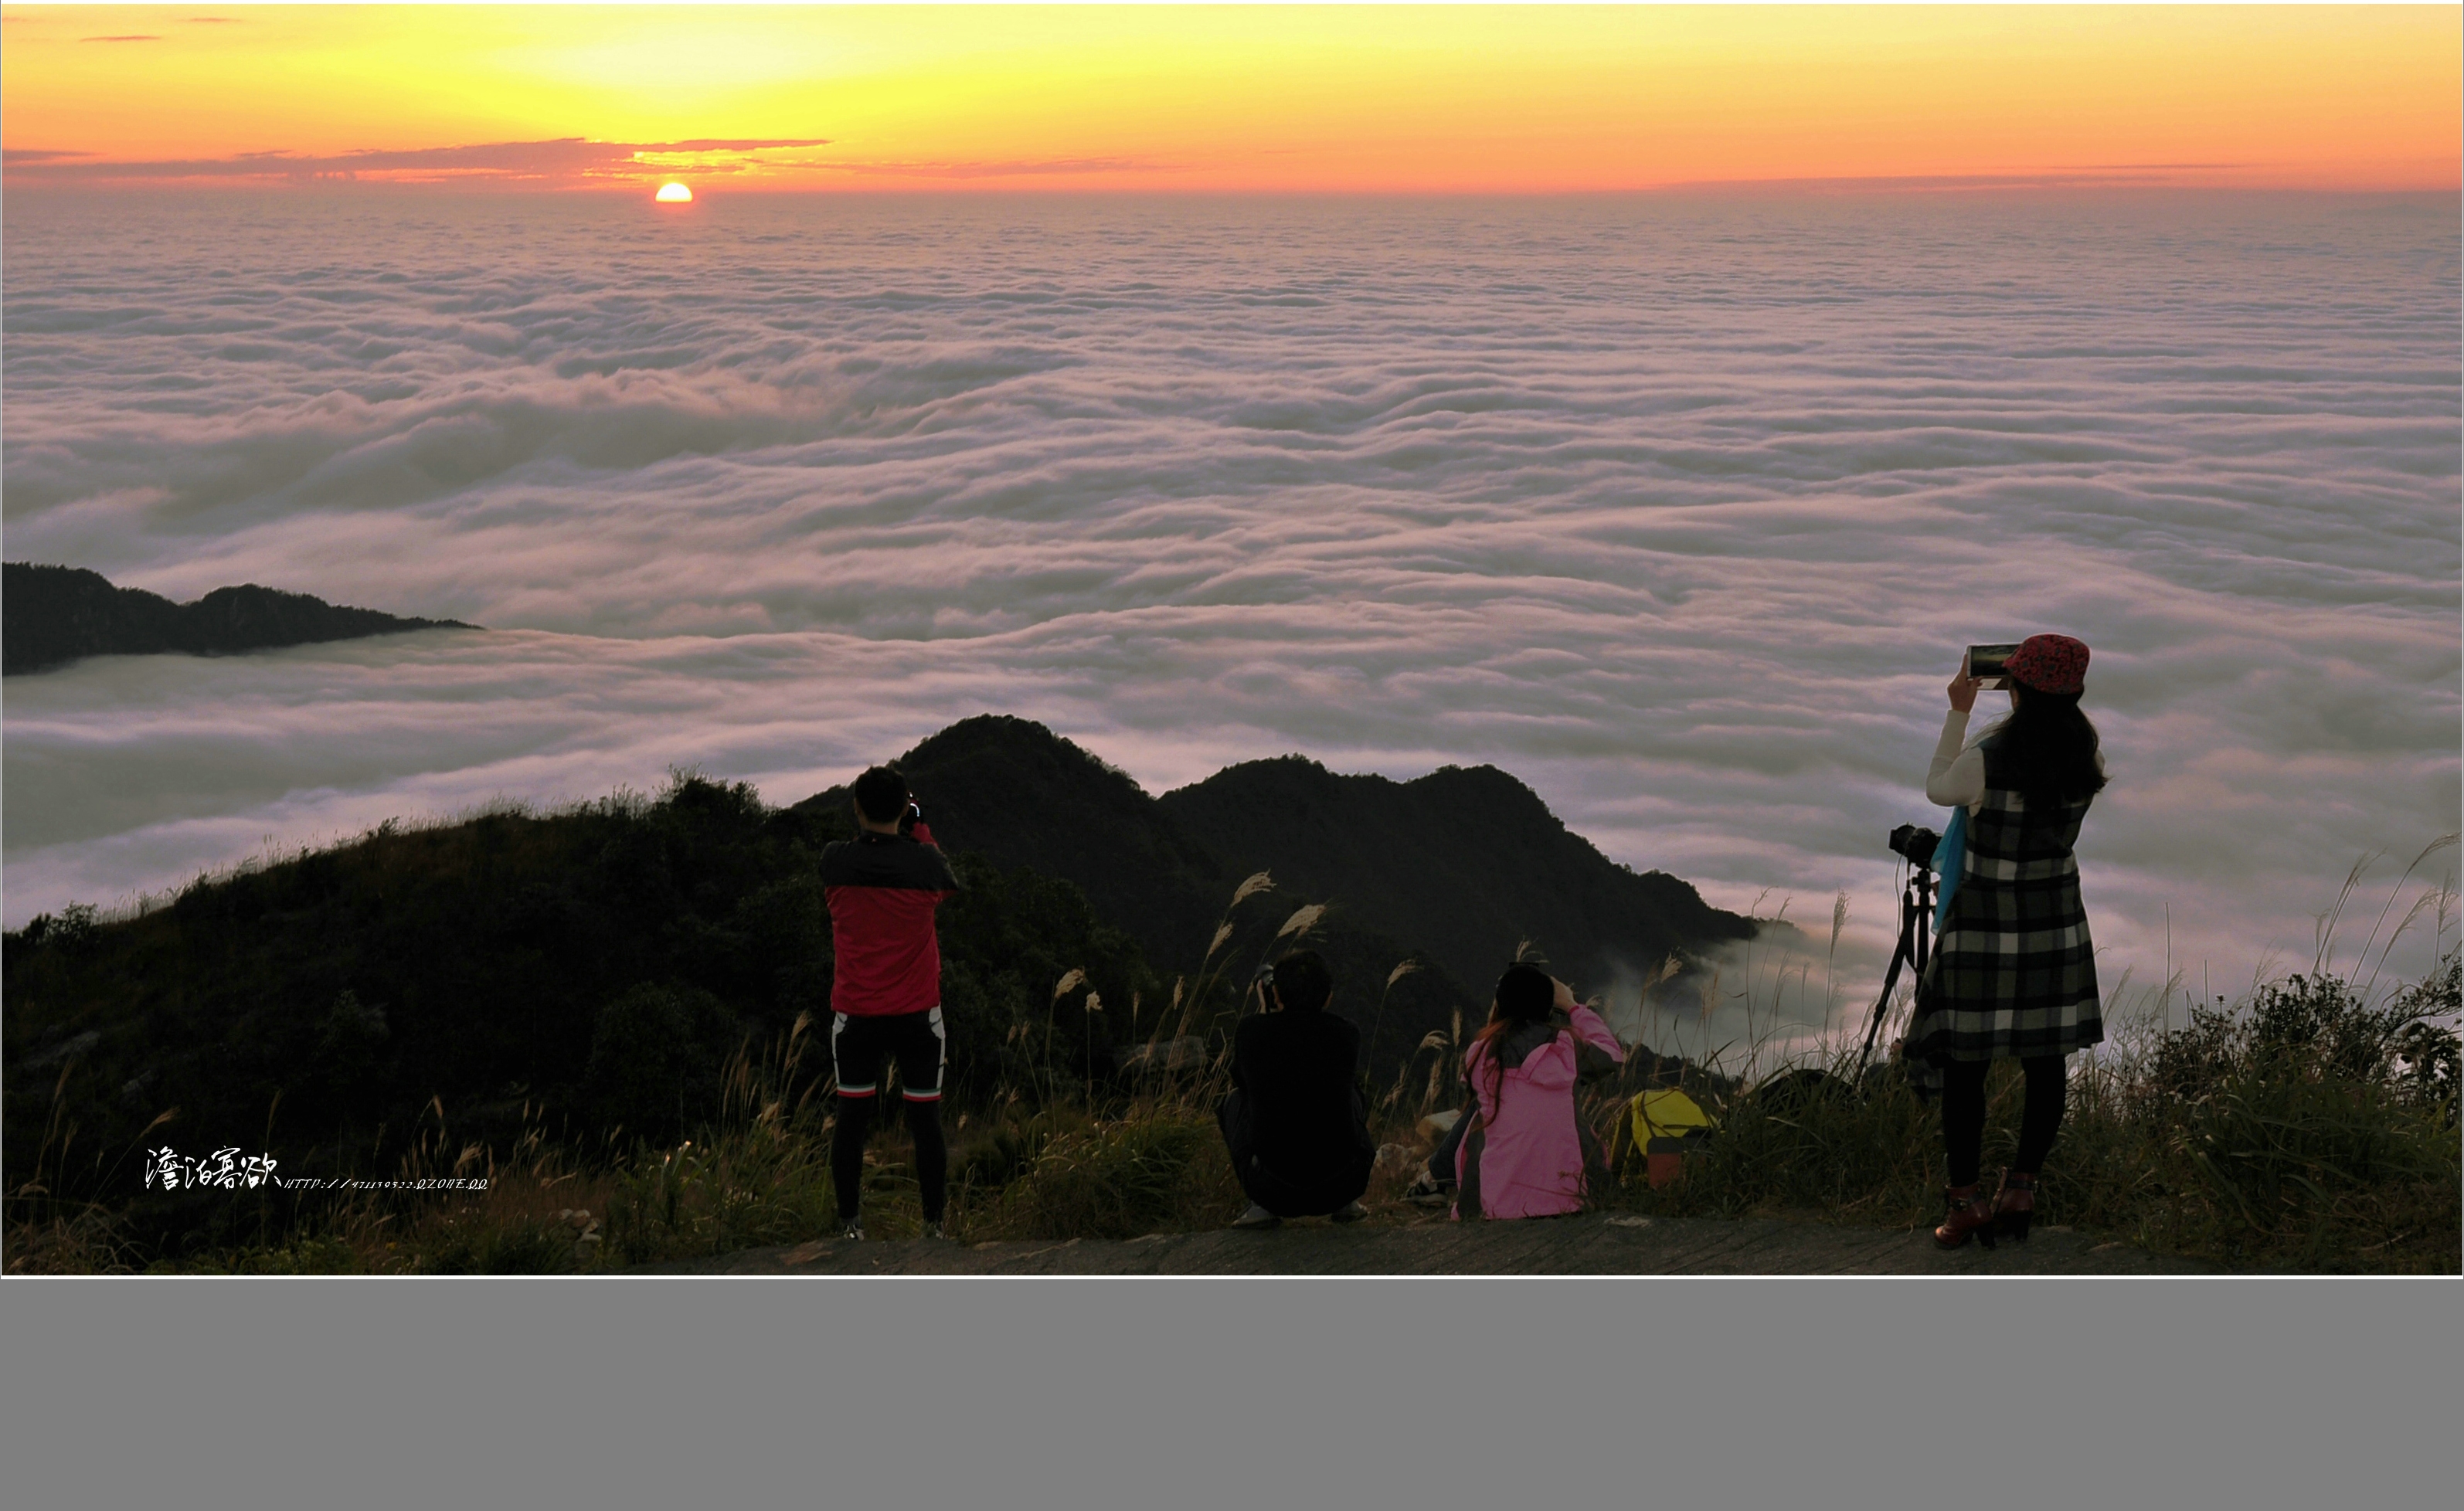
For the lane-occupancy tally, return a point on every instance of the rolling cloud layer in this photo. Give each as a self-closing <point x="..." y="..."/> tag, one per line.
<point x="1680" y="509"/>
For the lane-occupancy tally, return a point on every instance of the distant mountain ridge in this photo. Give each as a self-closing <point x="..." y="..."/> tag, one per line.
<point x="1456" y="868"/>
<point x="1466" y="862"/>
<point x="57" y="614"/>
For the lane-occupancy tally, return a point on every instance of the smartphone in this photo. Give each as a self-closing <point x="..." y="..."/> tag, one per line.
<point x="1985" y="665"/>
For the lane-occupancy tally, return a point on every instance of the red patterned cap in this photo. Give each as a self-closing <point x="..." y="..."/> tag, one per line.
<point x="2049" y="664"/>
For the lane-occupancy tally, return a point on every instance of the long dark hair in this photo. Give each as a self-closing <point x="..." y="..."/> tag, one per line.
<point x="2046" y="749"/>
<point x="1525" y="994"/>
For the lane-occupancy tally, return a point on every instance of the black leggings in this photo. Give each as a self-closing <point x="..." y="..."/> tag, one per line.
<point x="1962" y="1114"/>
<point x="847" y="1153"/>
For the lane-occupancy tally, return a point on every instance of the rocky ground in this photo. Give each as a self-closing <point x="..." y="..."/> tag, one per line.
<point x="1593" y="1245"/>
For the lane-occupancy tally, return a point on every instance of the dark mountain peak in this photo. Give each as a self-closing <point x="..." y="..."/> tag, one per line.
<point x="1466" y="862"/>
<point x="1284" y="779"/>
<point x="57" y="614"/>
<point x="63" y="576"/>
<point x="1293" y="764"/>
<point x="1020" y="743"/>
<point x="1299" y="777"/>
<point x="1015" y="792"/>
<point x="1487" y="785"/>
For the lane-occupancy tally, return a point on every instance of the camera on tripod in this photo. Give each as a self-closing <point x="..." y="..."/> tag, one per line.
<point x="1915" y="948"/>
<point x="1915" y="843"/>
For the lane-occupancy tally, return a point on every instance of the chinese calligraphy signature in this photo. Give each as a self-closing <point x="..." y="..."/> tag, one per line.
<point x="224" y="1169"/>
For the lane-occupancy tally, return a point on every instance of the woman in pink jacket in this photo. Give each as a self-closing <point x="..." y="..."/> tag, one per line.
<point x="1527" y="1155"/>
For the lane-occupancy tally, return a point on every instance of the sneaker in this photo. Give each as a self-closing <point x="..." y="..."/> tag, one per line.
<point x="1258" y="1216"/>
<point x="1349" y="1212"/>
<point x="932" y="1230"/>
<point x="851" y="1231"/>
<point x="1426" y="1192"/>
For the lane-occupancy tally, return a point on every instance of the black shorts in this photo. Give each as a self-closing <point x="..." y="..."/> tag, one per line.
<point x="858" y="1046"/>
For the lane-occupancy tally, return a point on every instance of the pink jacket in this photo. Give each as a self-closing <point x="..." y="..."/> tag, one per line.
<point x="1524" y="1156"/>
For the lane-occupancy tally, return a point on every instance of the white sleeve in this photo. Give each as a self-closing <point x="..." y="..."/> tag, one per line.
<point x="1956" y="778"/>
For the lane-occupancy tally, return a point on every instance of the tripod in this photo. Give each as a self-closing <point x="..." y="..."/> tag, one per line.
<point x="1916" y="947"/>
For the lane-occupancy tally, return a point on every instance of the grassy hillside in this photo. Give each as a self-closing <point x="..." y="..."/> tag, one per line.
<point x="591" y="970"/>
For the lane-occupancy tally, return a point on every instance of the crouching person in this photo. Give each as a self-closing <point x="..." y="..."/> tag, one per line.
<point x="1295" y="1123"/>
<point x="1525" y="1151"/>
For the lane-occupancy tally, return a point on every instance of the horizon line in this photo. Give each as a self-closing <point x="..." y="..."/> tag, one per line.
<point x="707" y="189"/>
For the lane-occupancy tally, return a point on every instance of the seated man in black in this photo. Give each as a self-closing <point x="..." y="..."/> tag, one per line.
<point x="1294" y="1121"/>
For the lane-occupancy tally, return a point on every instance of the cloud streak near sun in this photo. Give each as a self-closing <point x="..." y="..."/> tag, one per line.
<point x="563" y="161"/>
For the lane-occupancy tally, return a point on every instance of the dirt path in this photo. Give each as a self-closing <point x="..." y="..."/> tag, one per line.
<point x="1595" y="1244"/>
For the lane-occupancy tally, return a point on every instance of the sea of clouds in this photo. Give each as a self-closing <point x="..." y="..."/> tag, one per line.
<point x="1680" y="509"/>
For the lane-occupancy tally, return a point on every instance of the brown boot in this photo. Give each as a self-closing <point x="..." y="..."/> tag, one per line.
<point x="2014" y="1205"/>
<point x="1968" y="1213"/>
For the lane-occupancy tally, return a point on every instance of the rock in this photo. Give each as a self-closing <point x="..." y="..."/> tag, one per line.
<point x="69" y="1050"/>
<point x="1798" y="1088"/>
<point x="1397" y="1159"/>
<point x="1438" y="1124"/>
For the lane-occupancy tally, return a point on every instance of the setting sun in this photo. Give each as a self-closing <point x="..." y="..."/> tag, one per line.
<point x="675" y="194"/>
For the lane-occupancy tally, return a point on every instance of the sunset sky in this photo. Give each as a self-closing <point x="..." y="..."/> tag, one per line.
<point x="1376" y="99"/>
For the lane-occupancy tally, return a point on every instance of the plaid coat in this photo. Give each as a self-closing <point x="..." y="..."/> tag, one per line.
<point x="2013" y="972"/>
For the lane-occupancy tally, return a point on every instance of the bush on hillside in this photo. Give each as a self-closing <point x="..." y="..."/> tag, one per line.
<point x="656" y="1053"/>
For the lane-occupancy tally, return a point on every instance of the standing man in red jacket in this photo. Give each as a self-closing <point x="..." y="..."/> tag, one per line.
<point x="882" y="887"/>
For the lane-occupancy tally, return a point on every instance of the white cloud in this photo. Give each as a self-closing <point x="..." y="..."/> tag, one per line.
<point x="1679" y="509"/>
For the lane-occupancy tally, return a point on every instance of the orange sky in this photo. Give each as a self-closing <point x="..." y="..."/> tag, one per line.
<point x="1376" y="99"/>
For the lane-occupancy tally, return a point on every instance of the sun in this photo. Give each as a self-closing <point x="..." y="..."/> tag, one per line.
<point x="675" y="194"/>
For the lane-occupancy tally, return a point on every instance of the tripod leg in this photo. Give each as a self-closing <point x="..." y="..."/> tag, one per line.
<point x="1900" y="956"/>
<point x="1923" y="919"/>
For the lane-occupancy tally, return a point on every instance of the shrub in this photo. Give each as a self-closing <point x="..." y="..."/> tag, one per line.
<point x="656" y="1058"/>
<point x="746" y="1188"/>
<point x="1161" y="1167"/>
<point x="521" y="1248"/>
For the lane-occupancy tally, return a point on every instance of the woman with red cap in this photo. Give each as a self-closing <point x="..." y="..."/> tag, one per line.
<point x="2013" y="973"/>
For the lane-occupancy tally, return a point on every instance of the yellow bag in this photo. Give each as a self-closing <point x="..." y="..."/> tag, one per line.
<point x="1670" y="1123"/>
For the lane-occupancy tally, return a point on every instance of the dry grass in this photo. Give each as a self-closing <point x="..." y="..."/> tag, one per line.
<point x="2292" y="1132"/>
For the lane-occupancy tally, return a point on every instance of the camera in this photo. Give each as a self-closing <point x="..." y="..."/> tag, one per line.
<point x="1916" y="843"/>
<point x="1985" y="665"/>
<point x="907" y="820"/>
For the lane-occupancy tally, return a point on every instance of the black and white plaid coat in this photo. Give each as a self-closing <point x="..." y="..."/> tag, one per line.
<point x="2013" y="972"/>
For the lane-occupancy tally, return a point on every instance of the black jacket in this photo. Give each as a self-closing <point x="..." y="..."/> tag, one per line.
<point x="1298" y="1073"/>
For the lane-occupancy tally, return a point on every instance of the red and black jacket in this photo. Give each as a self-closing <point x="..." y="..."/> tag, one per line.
<point x="881" y="890"/>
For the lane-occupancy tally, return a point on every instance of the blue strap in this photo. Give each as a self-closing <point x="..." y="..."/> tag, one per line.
<point x="1950" y="864"/>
